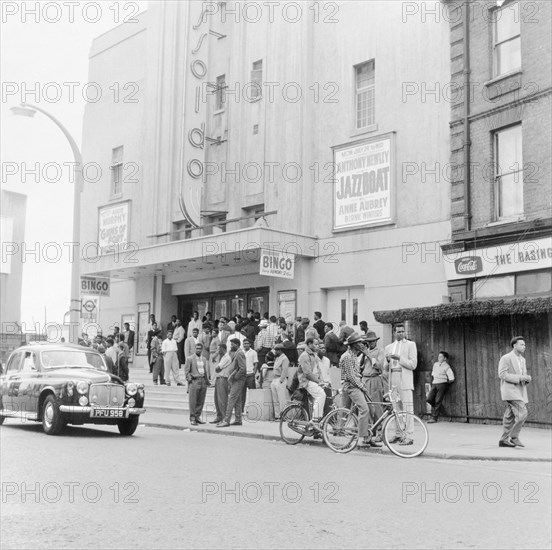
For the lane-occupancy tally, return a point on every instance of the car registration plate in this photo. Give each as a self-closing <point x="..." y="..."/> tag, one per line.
<point x="108" y="413"/>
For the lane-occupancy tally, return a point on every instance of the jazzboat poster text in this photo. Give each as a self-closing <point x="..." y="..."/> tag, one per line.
<point x="363" y="188"/>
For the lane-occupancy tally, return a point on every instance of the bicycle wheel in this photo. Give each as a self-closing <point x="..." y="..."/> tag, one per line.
<point x="340" y="430"/>
<point x="405" y="434"/>
<point x="293" y="424"/>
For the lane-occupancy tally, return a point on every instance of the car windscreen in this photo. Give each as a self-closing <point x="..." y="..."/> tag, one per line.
<point x="72" y="358"/>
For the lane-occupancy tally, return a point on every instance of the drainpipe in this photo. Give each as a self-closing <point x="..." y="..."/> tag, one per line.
<point x="467" y="99"/>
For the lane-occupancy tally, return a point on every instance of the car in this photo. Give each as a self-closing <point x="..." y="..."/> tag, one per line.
<point x="59" y="384"/>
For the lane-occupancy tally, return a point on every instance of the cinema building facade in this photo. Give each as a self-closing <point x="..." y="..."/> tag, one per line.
<point x="218" y="155"/>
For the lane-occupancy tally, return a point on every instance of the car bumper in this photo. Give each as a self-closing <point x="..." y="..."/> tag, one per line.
<point x="75" y="409"/>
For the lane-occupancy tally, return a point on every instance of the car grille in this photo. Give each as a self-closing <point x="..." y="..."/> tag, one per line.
<point x="107" y="395"/>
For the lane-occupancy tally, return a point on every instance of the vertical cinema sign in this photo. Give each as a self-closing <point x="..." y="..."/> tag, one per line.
<point x="194" y="110"/>
<point x="364" y="184"/>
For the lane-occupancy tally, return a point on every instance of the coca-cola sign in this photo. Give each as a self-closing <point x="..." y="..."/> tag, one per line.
<point x="469" y="265"/>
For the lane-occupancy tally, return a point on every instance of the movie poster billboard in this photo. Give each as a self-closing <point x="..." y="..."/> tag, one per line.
<point x="364" y="184"/>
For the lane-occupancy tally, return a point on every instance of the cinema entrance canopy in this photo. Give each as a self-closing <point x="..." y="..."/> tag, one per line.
<point x="224" y="254"/>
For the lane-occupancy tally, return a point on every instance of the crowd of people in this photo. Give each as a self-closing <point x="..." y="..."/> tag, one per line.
<point x="242" y="353"/>
<point x="115" y="348"/>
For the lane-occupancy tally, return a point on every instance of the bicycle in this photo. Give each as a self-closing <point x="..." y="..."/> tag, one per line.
<point x="295" y="420"/>
<point x="340" y="429"/>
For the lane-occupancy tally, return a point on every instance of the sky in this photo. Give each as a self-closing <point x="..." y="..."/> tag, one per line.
<point x="44" y="61"/>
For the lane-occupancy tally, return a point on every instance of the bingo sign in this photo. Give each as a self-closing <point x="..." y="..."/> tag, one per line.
<point x="277" y="264"/>
<point x="113" y="226"/>
<point x="95" y="286"/>
<point x="363" y="185"/>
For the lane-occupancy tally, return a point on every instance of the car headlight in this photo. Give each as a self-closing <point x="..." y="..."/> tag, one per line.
<point x="82" y="387"/>
<point x="131" y="389"/>
<point x="83" y="401"/>
<point x="131" y="402"/>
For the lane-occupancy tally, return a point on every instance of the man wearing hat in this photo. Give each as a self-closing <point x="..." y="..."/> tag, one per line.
<point x="310" y="379"/>
<point x="372" y="375"/>
<point x="300" y="333"/>
<point x="236" y="379"/>
<point x="512" y="372"/>
<point x="278" y="387"/>
<point x="402" y="359"/>
<point x="264" y="342"/>
<point x="354" y="387"/>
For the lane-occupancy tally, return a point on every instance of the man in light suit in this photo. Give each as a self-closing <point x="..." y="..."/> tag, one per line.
<point x="197" y="375"/>
<point x="512" y="372"/>
<point x="402" y="359"/>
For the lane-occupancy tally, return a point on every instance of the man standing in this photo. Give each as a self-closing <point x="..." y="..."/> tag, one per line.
<point x="334" y="348"/>
<point x="301" y="331"/>
<point x="319" y="324"/>
<point x="372" y="376"/>
<point x="113" y="354"/>
<point x="512" y="372"/>
<point x="170" y="360"/>
<point x="178" y="336"/>
<point x="236" y="379"/>
<point x="278" y="387"/>
<point x="171" y="325"/>
<point x="129" y="336"/>
<point x="222" y="388"/>
<point x="251" y="363"/>
<point x="402" y="359"/>
<point x="198" y="379"/>
<point x="157" y="359"/>
<point x="195" y="322"/>
<point x="354" y="387"/>
<point x="309" y="378"/>
<point x="190" y="343"/>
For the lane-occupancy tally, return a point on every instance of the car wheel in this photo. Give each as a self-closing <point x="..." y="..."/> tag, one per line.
<point x="128" y="426"/>
<point x="52" y="421"/>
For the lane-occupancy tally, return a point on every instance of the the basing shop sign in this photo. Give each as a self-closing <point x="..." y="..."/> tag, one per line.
<point x="364" y="184"/>
<point x="113" y="226"/>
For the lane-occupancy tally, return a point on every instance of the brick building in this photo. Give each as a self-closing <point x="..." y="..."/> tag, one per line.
<point x="498" y="261"/>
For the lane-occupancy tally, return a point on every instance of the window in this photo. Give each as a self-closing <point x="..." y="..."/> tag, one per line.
<point x="216" y="224"/>
<point x="117" y="171"/>
<point x="506" y="39"/>
<point x="29" y="363"/>
<point x="181" y="230"/>
<point x="508" y="173"/>
<point x="494" y="287"/>
<point x="539" y="282"/>
<point x="355" y="311"/>
<point x="343" y="310"/>
<point x="251" y="214"/>
<point x="220" y="96"/>
<point x="14" y="363"/>
<point x="256" y="91"/>
<point x="365" y="94"/>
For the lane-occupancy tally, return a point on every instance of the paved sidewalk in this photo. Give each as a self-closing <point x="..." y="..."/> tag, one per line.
<point x="447" y="440"/>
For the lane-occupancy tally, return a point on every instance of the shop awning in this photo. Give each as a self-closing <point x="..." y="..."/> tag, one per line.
<point x="211" y="252"/>
<point x="470" y="308"/>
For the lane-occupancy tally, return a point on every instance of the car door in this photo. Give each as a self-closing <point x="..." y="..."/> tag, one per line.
<point x="23" y="400"/>
<point x="10" y="381"/>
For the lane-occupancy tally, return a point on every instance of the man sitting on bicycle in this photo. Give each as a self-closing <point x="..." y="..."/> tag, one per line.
<point x="309" y="377"/>
<point x="353" y="386"/>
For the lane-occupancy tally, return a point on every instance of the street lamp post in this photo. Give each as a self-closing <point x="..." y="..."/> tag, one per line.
<point x="28" y="110"/>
